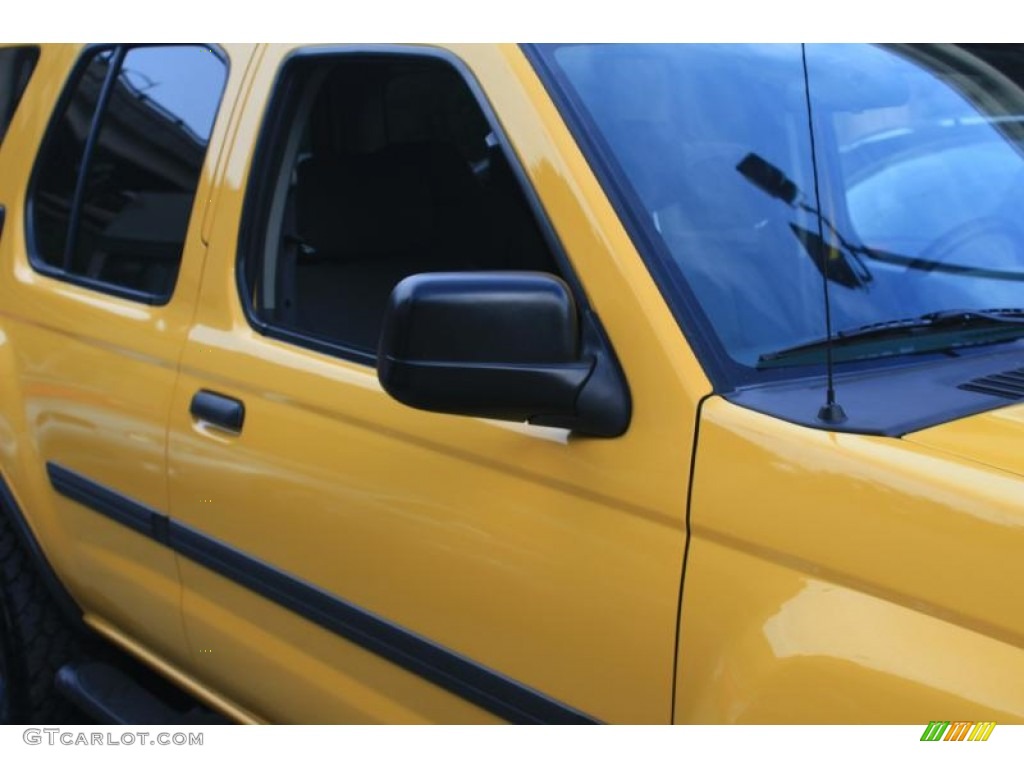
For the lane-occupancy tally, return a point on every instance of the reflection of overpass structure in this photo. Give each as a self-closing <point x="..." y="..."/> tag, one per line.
<point x="153" y="154"/>
<point x="139" y="185"/>
<point x="150" y="140"/>
<point x="137" y="132"/>
<point x="141" y="148"/>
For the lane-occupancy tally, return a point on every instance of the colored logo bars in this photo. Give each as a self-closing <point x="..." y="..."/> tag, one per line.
<point x="962" y="730"/>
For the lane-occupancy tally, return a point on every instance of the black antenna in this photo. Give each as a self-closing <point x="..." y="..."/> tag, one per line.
<point x="831" y="412"/>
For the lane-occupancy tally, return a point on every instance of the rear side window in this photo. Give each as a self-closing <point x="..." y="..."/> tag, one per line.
<point x="117" y="176"/>
<point x="16" y="67"/>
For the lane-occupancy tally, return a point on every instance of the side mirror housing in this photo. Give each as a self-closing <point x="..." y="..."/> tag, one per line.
<point x="501" y="345"/>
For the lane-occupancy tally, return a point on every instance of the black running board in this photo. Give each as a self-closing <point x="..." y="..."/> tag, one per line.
<point x="113" y="697"/>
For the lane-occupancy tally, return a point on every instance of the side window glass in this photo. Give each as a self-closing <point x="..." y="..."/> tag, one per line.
<point x="16" y="66"/>
<point x="118" y="176"/>
<point x="384" y="167"/>
<point x="60" y="162"/>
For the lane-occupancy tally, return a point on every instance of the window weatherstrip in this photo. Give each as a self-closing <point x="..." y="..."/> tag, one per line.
<point x="74" y="220"/>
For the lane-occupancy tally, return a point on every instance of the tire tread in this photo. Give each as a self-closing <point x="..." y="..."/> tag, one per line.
<point x="40" y="642"/>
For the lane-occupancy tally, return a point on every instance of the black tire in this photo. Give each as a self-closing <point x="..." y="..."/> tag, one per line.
<point x="35" y="641"/>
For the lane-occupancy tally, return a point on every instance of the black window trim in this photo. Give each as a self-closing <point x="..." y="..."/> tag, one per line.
<point x="264" y="166"/>
<point x="102" y="102"/>
<point x="85" y="57"/>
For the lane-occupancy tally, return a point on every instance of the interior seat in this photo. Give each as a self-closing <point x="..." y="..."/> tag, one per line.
<point x="367" y="221"/>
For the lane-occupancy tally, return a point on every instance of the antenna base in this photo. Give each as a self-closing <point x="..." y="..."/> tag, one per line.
<point x="832" y="413"/>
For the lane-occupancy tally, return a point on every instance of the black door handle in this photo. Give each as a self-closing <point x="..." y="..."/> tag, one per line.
<point x="219" y="410"/>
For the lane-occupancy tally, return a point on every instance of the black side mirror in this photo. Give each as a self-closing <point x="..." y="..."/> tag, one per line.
<point x="501" y="345"/>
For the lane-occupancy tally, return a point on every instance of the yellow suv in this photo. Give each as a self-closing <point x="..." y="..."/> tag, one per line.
<point x="544" y="384"/>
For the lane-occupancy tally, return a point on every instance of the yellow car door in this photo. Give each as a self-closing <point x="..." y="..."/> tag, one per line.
<point x="102" y="257"/>
<point x="347" y="558"/>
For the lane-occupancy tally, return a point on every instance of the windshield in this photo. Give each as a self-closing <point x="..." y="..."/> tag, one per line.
<point x="920" y="180"/>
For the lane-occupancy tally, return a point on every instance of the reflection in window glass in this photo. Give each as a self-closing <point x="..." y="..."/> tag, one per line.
<point x="932" y="165"/>
<point x="679" y="121"/>
<point x="145" y="168"/>
<point x="61" y="161"/>
<point x="131" y="210"/>
<point x="920" y="152"/>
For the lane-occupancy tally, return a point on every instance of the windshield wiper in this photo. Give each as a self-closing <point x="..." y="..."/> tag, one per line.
<point x="931" y="332"/>
<point x="845" y="264"/>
